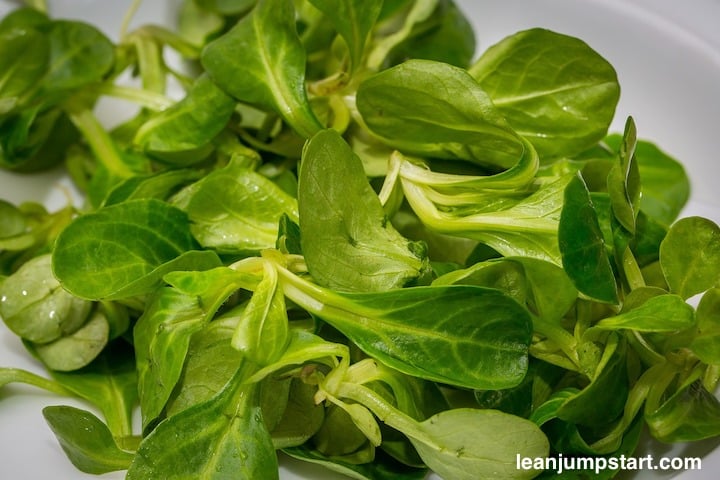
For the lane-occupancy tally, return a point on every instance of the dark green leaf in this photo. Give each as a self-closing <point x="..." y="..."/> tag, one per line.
<point x="24" y="57"/>
<point x="460" y="335"/>
<point x="604" y="398"/>
<point x="447" y="36"/>
<point x="584" y="255"/>
<point x="79" y="54"/>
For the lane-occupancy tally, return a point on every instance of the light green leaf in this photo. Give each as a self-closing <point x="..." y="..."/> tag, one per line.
<point x="465" y="444"/>
<point x="86" y="440"/>
<point x="235" y="209"/>
<point x="125" y="249"/>
<point x="690" y="256"/>
<point x="434" y="109"/>
<point x="225" y="436"/>
<point x="347" y="240"/>
<point x="553" y="89"/>
<point x="261" y="61"/>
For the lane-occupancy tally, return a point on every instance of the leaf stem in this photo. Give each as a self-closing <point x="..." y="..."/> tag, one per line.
<point x="384" y="411"/>
<point x="100" y="142"/>
<point x="11" y="375"/>
<point x="145" y="98"/>
<point x="127" y="18"/>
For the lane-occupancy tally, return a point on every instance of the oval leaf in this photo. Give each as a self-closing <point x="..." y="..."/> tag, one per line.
<point x="690" y="256"/>
<point x="553" y="89"/>
<point x="101" y="253"/>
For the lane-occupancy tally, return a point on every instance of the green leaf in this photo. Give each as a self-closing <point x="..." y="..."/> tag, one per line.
<point x="465" y="445"/>
<point x="446" y="36"/>
<point x="662" y="313"/>
<point x="235" y="209"/>
<point x="158" y="185"/>
<point x="624" y="181"/>
<point x="226" y="7"/>
<point x="79" y="55"/>
<point x="411" y="19"/>
<point x="690" y="414"/>
<point x="270" y="72"/>
<point x="347" y="240"/>
<point x="261" y="334"/>
<point x="383" y="466"/>
<point x="24" y="55"/>
<point x="515" y="227"/>
<point x="77" y="349"/>
<point x="124" y="250"/>
<point x="163" y="332"/>
<point x="690" y="256"/>
<point x="542" y="285"/>
<point x="354" y="21"/>
<point x="16" y="375"/>
<point x="188" y="125"/>
<point x="433" y="109"/>
<point x="301" y="419"/>
<point x="706" y="345"/>
<point x="109" y="383"/>
<point x="584" y="255"/>
<point x="665" y="184"/>
<point x="603" y="399"/>
<point x="460" y="335"/>
<point x="209" y="364"/>
<point x="35" y="139"/>
<point x="35" y="307"/>
<point x="553" y="89"/>
<point x="223" y="437"/>
<point x="86" y="440"/>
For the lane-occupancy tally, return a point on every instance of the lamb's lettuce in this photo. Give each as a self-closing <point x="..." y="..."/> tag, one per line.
<point x="351" y="237"/>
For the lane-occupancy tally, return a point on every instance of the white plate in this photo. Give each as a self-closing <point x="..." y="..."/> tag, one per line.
<point x="667" y="54"/>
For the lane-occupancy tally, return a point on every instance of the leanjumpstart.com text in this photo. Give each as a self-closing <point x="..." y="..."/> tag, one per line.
<point x="561" y="463"/>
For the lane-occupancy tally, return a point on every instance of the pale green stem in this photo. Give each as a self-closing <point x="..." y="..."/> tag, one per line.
<point x="147" y="99"/>
<point x="384" y="411"/>
<point x="100" y="142"/>
<point x="11" y="375"/>
<point x="129" y="14"/>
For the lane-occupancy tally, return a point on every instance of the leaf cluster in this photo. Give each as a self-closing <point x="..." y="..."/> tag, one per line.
<point x="351" y="238"/>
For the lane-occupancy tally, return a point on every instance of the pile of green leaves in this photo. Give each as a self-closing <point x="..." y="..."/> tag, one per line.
<point x="351" y="239"/>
